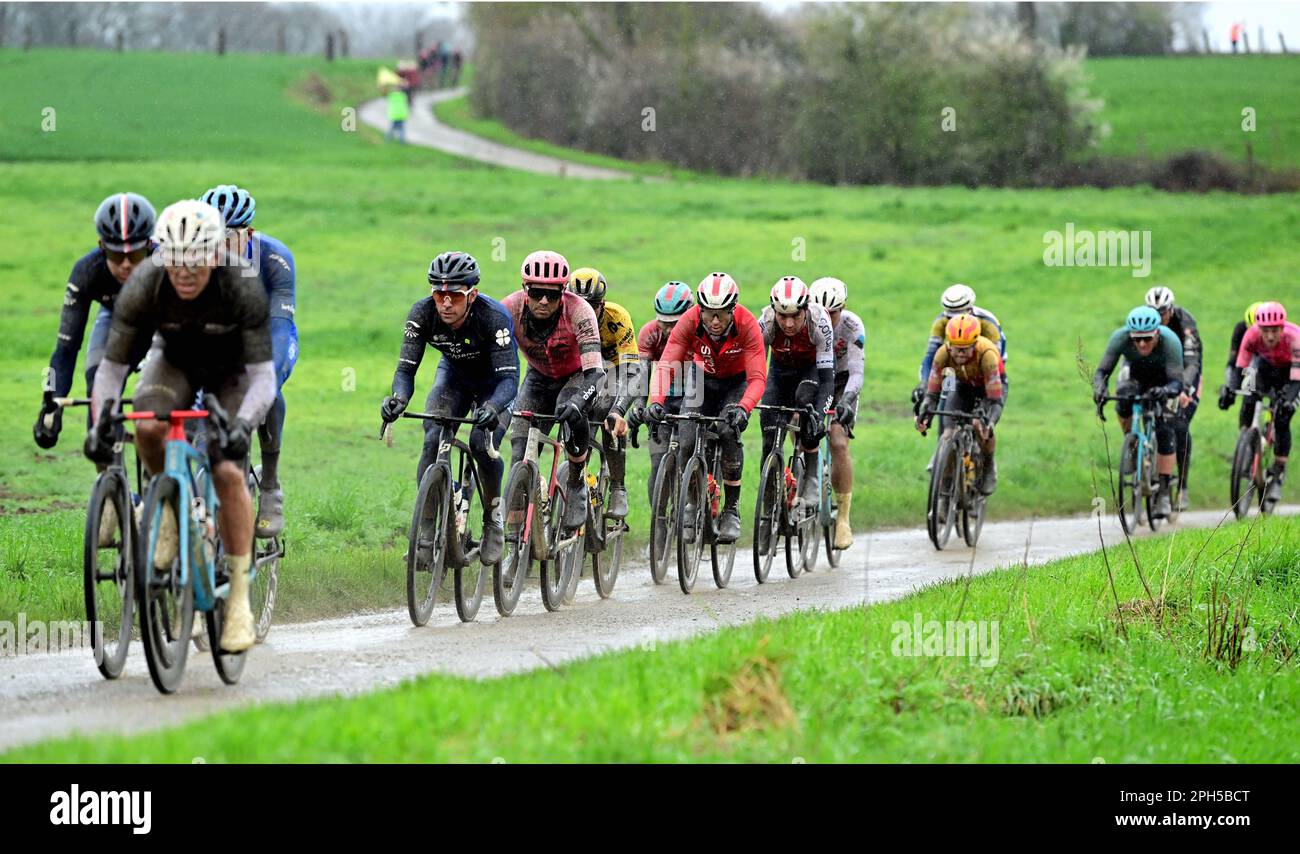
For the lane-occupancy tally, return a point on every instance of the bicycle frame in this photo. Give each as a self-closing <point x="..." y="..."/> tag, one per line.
<point x="546" y="489"/>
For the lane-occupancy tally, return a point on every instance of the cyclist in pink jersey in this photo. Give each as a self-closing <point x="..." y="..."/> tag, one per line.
<point x="557" y="333"/>
<point x="1271" y="348"/>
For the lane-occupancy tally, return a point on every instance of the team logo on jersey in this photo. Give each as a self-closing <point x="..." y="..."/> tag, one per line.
<point x="412" y="329"/>
<point x="503" y="337"/>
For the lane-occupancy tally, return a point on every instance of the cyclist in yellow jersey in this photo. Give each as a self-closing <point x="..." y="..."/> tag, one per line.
<point x="622" y="369"/>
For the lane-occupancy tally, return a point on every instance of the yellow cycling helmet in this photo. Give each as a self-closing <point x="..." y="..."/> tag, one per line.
<point x="963" y="330"/>
<point x="588" y="283"/>
<point x="1250" y="313"/>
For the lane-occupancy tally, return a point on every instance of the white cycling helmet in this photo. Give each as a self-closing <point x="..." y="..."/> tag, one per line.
<point x="1160" y="298"/>
<point x="717" y="291"/>
<point x="789" y="295"/>
<point x="958" y="299"/>
<point x="189" y="233"/>
<point x="829" y="292"/>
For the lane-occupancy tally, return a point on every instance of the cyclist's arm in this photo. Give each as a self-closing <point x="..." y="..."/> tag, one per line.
<point x="1248" y="348"/>
<point x="931" y="347"/>
<point x="670" y="362"/>
<point x="587" y="331"/>
<point x="412" y="353"/>
<point x="1191" y="353"/>
<point x="133" y="326"/>
<point x="255" y="324"/>
<point x="72" y="330"/>
<point x="279" y="278"/>
<point x="1232" y="375"/>
<point x="991" y="366"/>
<point x="1110" y="358"/>
<point x="856" y="358"/>
<point x="755" y="364"/>
<point x="262" y="389"/>
<point x="504" y="358"/>
<point x="824" y="335"/>
<point x="626" y="362"/>
<point x="108" y="385"/>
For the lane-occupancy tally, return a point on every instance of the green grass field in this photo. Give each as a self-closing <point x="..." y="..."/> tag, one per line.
<point x="1066" y="676"/>
<point x="363" y="219"/>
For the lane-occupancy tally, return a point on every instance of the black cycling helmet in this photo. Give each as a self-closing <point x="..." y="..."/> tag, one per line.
<point x="125" y="222"/>
<point x="453" y="270"/>
<point x="237" y="205"/>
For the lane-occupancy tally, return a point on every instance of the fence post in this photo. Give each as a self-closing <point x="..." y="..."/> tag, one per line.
<point x="120" y="41"/>
<point x="27" y="38"/>
<point x="1205" y="37"/>
<point x="221" y="42"/>
<point x="329" y="47"/>
<point x="1281" y="39"/>
<point x="72" y="33"/>
<point x="1245" y="40"/>
<point x="279" y="40"/>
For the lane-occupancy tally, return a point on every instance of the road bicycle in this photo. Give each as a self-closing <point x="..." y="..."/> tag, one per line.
<point x="446" y="529"/>
<point x="1139" y="479"/>
<point x="954" y="482"/>
<point x="663" y="505"/>
<point x="777" y="511"/>
<point x="602" y="534"/>
<point x="1252" y="459"/>
<point x="699" y="505"/>
<point x="828" y="510"/>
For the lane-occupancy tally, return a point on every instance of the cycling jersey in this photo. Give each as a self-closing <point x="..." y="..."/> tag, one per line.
<point x="1183" y="325"/>
<point x="1167" y="355"/>
<point x="89" y="282"/>
<point x="739" y="351"/>
<point x="572" y="344"/>
<point x="983" y="371"/>
<point x="651" y="341"/>
<point x="814" y="344"/>
<point x="990" y="328"/>
<point x="850" y="346"/>
<point x="618" y="340"/>
<point x="1283" y="356"/>
<point x="481" y="354"/>
<point x="279" y="276"/>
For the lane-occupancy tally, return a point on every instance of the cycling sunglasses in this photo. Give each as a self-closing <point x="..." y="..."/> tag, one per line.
<point x="707" y="314"/>
<point x="136" y="255"/>
<point x="1143" y="338"/>
<point x="540" y="293"/>
<point x="456" y="294"/>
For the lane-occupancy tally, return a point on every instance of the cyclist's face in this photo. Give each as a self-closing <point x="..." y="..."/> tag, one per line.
<point x="189" y="282"/>
<point x="1271" y="335"/>
<point x="1165" y="315"/>
<point x="961" y="355"/>
<point x="792" y="323"/>
<point x="1144" y="343"/>
<point x="665" y="327"/>
<point x="715" y="321"/>
<point x="120" y="264"/>
<point x="453" y="306"/>
<point x="543" y="301"/>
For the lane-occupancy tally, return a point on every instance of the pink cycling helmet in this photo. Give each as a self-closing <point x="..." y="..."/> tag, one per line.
<point x="1270" y="314"/>
<point x="545" y="267"/>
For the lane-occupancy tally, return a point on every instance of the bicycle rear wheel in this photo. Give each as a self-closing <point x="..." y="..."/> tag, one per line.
<point x="166" y="603"/>
<point x="470" y="576"/>
<point x="427" y="552"/>
<point x="1245" y="458"/>
<point x="663" y="518"/>
<point x="941" y="512"/>
<point x="831" y="511"/>
<point x="229" y="665"/>
<point x="1129" y="485"/>
<point x="1151" y="488"/>
<point x="556" y="571"/>
<point x="767" y="517"/>
<point x="266" y="577"/>
<point x="108" y="574"/>
<point x="518" y="504"/>
<point x="692" y="518"/>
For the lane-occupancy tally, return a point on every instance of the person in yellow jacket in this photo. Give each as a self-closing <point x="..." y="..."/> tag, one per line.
<point x="399" y="108"/>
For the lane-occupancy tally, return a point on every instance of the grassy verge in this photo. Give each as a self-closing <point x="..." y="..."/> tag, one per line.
<point x="1067" y="677"/>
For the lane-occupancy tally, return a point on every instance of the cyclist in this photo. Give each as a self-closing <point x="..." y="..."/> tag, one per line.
<point x="212" y="332"/>
<point x="671" y="302"/>
<point x="850" y="342"/>
<point x="1153" y="358"/>
<point x="1232" y="375"/>
<point x="479" y="369"/>
<point x="1181" y="323"/>
<point x="978" y="390"/>
<point x="557" y="332"/>
<point x="1272" y="348"/>
<point x="125" y="222"/>
<point x="800" y="370"/>
<point x="725" y="340"/>
<point x="273" y="263"/>
<point x="957" y="300"/>
<point x="619" y="350"/>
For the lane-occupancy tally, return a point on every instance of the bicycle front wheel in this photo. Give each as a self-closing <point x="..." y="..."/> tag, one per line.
<point x="266" y="569"/>
<point x="468" y="534"/>
<point x="830" y="513"/>
<point x="767" y="517"/>
<point x="427" y="551"/>
<point x="166" y="601"/>
<point x="692" y="518"/>
<point x="109" y="572"/>
<point x="557" y="569"/>
<point x="517" y="506"/>
<point x="941" y="513"/>
<point x="1129" y="485"/>
<point x="663" y="518"/>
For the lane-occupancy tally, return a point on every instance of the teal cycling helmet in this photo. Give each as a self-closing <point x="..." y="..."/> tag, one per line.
<point x="1144" y="320"/>
<point x="237" y="205"/>
<point x="672" y="301"/>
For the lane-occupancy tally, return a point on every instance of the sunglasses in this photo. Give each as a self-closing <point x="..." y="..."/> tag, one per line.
<point x="136" y="255"/>
<point x="453" y="294"/>
<point x="961" y="351"/>
<point x="1142" y="338"/>
<point x="707" y="314"/>
<point x="541" y="294"/>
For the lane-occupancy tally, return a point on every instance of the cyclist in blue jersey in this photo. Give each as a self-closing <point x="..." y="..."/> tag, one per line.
<point x="479" y="369"/>
<point x="272" y="262"/>
<point x="125" y="223"/>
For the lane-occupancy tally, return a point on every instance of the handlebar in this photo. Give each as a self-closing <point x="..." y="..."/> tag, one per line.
<point x="386" y="429"/>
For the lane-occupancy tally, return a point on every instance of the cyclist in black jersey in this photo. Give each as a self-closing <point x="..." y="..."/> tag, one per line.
<point x="1183" y="325"/>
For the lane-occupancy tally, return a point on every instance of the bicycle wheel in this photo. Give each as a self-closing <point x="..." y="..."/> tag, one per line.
<point x="467" y="534"/>
<point x="1151" y="488"/>
<point x="556" y="571"/>
<point x="266" y="577"/>
<point x="166" y="603"/>
<point x="724" y="559"/>
<point x="1244" y="463"/>
<point x="426" y="555"/>
<point x="605" y="572"/>
<point x="663" y="519"/>
<point x="109" y="575"/>
<point x="809" y="539"/>
<point x="1129" y="485"/>
<point x="767" y="517"/>
<point x="830" y="513"/>
<point x="693" y="516"/>
<point x="972" y="518"/>
<point x="518" y="505"/>
<point x="941" y="514"/>
<point x="229" y="665"/>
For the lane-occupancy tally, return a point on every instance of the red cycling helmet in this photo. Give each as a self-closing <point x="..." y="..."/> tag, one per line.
<point x="545" y="267"/>
<point x="1270" y="314"/>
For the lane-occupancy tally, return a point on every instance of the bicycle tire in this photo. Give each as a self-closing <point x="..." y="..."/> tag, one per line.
<point x="108" y="575"/>
<point x="229" y="665"/>
<point x="1151" y="489"/>
<point x="556" y="570"/>
<point x="663" y="520"/>
<point x="512" y="571"/>
<point x="689" y="552"/>
<point x="427" y="545"/>
<point x="166" y="605"/>
<point x="1128" y="486"/>
<point x="767" y="506"/>
<point x="832" y="515"/>
<point x="266" y="574"/>
<point x="943" y="486"/>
